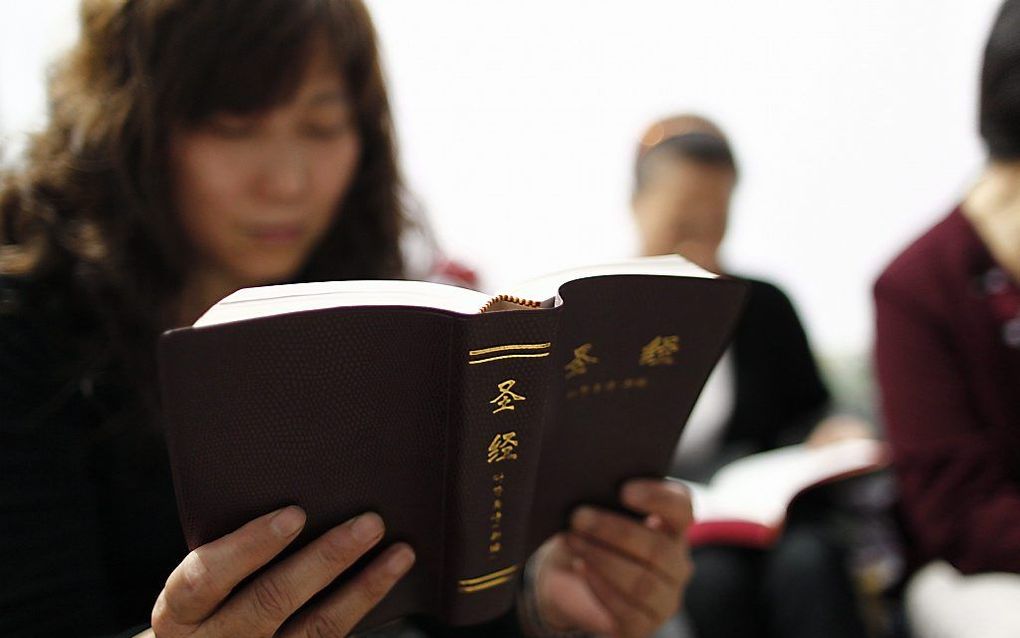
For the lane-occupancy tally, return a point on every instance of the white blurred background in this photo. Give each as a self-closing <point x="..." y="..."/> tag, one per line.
<point x="854" y="124"/>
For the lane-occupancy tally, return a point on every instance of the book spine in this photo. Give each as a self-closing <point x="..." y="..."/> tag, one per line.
<point x="496" y="422"/>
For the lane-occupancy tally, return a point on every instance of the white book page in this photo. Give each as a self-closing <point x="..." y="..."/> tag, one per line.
<point x="760" y="487"/>
<point x="547" y="286"/>
<point x="264" y="301"/>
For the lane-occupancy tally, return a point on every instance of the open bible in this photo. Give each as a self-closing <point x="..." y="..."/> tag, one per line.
<point x="746" y="502"/>
<point x="472" y="424"/>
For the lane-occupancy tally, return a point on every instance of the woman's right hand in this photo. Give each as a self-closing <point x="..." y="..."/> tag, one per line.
<point x="199" y="599"/>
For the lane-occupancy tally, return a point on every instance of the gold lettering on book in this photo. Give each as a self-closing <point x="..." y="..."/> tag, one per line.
<point x="608" y="387"/>
<point x="506" y="398"/>
<point x="503" y="448"/>
<point x="496" y="519"/>
<point x="509" y="356"/>
<point x="515" y="351"/>
<point x="518" y="346"/>
<point x="471" y="585"/>
<point x="582" y="359"/>
<point x="660" y="351"/>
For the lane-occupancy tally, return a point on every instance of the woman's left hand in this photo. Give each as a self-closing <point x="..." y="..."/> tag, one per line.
<point x="610" y="574"/>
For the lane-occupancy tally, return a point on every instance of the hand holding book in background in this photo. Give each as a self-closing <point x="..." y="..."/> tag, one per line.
<point x="611" y="574"/>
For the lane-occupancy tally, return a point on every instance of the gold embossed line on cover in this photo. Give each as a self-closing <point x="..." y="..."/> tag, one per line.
<point x="472" y="585"/>
<point x="511" y="351"/>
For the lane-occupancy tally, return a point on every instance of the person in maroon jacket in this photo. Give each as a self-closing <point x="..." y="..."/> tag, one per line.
<point x="948" y="355"/>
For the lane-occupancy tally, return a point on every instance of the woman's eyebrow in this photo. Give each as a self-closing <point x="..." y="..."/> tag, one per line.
<point x="329" y="98"/>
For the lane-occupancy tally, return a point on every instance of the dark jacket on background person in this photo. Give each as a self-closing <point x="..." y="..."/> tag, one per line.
<point x="778" y="391"/>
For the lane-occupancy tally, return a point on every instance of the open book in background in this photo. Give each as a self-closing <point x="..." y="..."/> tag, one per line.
<point x="472" y="424"/>
<point x="746" y="502"/>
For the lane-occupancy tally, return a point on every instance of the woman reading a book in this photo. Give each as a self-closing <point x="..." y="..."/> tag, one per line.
<point x="195" y="147"/>
<point x="765" y="393"/>
<point x="948" y="361"/>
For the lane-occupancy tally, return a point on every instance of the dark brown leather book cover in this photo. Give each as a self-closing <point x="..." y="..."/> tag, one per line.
<point x="471" y="435"/>
<point x="632" y="354"/>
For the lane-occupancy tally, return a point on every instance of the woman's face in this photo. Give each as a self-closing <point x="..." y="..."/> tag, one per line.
<point x="684" y="201"/>
<point x="256" y="193"/>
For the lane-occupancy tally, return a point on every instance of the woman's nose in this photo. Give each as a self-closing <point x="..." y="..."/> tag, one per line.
<point x="284" y="173"/>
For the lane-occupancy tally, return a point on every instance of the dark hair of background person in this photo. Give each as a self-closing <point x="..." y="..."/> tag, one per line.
<point x="1000" y="86"/>
<point x="685" y="137"/>
<point x="90" y="215"/>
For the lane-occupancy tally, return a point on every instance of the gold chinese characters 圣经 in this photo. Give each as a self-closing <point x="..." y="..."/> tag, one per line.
<point x="582" y="359"/>
<point x="503" y="448"/>
<point x="660" y="350"/>
<point x="506" y="397"/>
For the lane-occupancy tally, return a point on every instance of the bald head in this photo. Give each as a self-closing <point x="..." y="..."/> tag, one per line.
<point x="684" y="176"/>
<point x="676" y="125"/>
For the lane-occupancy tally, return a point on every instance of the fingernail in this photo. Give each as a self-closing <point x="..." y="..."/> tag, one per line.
<point x="287" y="521"/>
<point x="366" y="527"/>
<point x="584" y="518"/>
<point x="635" y="493"/>
<point x="400" y="561"/>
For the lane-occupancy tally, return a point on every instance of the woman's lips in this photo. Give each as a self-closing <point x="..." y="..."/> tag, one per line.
<point x="277" y="234"/>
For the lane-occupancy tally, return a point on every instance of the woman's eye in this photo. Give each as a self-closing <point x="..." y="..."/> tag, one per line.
<point x="326" y="130"/>
<point x="232" y="127"/>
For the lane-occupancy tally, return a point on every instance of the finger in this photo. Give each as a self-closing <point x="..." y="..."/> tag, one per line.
<point x="645" y="588"/>
<point x="686" y="569"/>
<point x="342" y="610"/>
<point x="628" y="620"/>
<point x="266" y="603"/>
<point x="655" y="523"/>
<point x="633" y="539"/>
<point x="207" y="575"/>
<point x="556" y="574"/>
<point x="669" y="500"/>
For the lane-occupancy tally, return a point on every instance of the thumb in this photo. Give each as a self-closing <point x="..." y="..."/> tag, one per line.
<point x="566" y="601"/>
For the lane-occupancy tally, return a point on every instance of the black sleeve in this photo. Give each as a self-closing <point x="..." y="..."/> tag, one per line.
<point x="51" y="574"/>
<point x="780" y="393"/>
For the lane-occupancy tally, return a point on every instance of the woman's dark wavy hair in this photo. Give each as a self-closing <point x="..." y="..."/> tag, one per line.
<point x="90" y="215"/>
<point x="1000" y="85"/>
